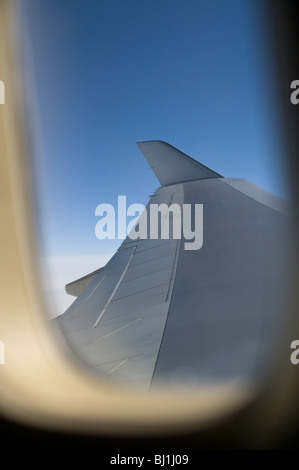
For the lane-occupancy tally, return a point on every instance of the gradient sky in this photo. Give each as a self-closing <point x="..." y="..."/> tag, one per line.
<point x="102" y="75"/>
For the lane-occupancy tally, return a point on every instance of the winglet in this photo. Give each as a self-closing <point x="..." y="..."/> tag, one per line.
<point x="171" y="166"/>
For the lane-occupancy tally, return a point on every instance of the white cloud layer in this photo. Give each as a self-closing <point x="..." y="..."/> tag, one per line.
<point x="57" y="271"/>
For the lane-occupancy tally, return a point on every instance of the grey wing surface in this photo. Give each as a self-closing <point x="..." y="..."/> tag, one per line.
<point x="158" y="312"/>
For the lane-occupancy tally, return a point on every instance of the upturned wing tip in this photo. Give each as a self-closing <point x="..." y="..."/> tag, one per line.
<point x="171" y="165"/>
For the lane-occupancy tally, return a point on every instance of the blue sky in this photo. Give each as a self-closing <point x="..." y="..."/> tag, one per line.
<point x="103" y="75"/>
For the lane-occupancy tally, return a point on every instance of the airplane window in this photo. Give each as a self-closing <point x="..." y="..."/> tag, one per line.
<point x="194" y="292"/>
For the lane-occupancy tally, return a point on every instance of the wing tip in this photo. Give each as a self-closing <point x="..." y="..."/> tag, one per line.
<point x="171" y="165"/>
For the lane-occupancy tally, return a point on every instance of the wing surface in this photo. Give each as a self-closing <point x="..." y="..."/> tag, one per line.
<point x="158" y="312"/>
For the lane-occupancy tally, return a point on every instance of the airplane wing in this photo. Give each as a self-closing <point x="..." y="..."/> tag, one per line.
<point x="158" y="312"/>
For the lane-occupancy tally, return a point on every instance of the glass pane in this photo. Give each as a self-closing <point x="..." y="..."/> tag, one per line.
<point x="196" y="75"/>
